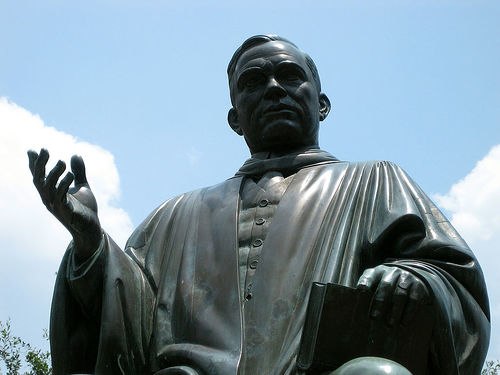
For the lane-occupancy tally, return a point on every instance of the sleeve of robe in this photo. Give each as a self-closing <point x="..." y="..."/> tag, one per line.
<point x="103" y="311"/>
<point x="424" y="243"/>
<point x="101" y="314"/>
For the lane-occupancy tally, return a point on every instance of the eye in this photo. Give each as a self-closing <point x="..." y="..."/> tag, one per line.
<point x="250" y="80"/>
<point x="291" y="75"/>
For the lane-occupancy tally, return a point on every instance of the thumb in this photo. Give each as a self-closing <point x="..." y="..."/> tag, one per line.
<point x="78" y="169"/>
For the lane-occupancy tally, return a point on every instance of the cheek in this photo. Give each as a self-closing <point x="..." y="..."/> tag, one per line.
<point x="307" y="92"/>
<point x="248" y="102"/>
<point x="308" y="99"/>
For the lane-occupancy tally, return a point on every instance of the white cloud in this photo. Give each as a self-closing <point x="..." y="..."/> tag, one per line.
<point x="474" y="205"/>
<point x="33" y="242"/>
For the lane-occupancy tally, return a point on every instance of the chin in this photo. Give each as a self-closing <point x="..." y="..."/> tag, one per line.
<point x="283" y="143"/>
<point x="282" y="135"/>
<point x="281" y="129"/>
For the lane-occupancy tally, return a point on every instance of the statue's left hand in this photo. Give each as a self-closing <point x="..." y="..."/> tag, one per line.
<point x="397" y="293"/>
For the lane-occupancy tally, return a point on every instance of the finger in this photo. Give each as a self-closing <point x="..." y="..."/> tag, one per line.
<point x="399" y="299"/>
<point x="369" y="279"/>
<point x="32" y="156"/>
<point x="63" y="187"/>
<point x="40" y="163"/>
<point x="417" y="296"/>
<point x="55" y="173"/>
<point x="52" y="177"/>
<point x="383" y="295"/>
<point x="78" y="169"/>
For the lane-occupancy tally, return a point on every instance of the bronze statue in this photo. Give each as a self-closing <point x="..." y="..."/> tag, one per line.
<point x="216" y="281"/>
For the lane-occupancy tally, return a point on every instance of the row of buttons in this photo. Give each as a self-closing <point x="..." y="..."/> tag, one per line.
<point x="258" y="242"/>
<point x="253" y="262"/>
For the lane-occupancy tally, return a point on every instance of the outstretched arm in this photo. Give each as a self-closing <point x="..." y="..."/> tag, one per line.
<point x="76" y="207"/>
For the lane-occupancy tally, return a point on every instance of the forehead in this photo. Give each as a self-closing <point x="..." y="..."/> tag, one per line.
<point x="274" y="52"/>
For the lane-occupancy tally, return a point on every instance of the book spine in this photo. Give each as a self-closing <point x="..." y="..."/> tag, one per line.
<point x="305" y="358"/>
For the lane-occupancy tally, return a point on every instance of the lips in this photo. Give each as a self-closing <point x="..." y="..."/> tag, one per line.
<point x="280" y="110"/>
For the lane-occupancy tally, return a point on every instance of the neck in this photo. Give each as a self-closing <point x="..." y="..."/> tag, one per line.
<point x="277" y="152"/>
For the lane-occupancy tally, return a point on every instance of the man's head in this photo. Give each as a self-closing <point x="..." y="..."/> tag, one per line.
<point x="276" y="95"/>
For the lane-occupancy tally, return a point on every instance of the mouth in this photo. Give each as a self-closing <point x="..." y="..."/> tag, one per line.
<point x="280" y="110"/>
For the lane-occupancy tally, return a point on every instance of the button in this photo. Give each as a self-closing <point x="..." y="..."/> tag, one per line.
<point x="258" y="242"/>
<point x="263" y="203"/>
<point x="253" y="263"/>
<point x="260" y="221"/>
<point x="248" y="292"/>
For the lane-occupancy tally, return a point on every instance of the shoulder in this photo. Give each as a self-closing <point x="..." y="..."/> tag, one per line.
<point x="182" y="201"/>
<point x="367" y="166"/>
<point x="371" y="173"/>
<point x="174" y="208"/>
<point x="379" y="166"/>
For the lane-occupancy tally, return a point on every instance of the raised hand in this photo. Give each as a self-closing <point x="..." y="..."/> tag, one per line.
<point x="397" y="293"/>
<point x="75" y="208"/>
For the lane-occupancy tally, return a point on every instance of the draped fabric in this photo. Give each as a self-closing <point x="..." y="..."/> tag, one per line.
<point x="264" y="162"/>
<point x="173" y="298"/>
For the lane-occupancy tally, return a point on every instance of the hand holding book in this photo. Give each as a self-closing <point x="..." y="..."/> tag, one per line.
<point x="339" y="328"/>
<point x="397" y="293"/>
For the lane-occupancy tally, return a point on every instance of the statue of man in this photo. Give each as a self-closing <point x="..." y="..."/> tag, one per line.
<point x="216" y="281"/>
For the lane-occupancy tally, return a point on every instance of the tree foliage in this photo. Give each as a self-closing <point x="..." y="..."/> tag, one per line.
<point x="17" y="355"/>
<point x="491" y="368"/>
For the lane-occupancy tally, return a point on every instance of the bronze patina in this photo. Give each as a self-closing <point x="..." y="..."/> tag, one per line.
<point x="217" y="280"/>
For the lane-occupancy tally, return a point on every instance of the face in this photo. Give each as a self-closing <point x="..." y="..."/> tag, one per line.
<point x="276" y="102"/>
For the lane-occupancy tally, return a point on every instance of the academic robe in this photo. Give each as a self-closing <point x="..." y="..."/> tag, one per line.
<point x="173" y="297"/>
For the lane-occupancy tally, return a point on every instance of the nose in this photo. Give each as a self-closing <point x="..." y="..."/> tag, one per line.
<point x="274" y="89"/>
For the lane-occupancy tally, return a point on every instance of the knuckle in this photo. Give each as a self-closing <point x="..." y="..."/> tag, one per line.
<point x="417" y="295"/>
<point x="400" y="292"/>
<point x="368" y="272"/>
<point x="363" y="280"/>
<point x="385" y="284"/>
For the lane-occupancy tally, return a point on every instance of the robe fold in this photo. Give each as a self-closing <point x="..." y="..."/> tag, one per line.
<point x="173" y="297"/>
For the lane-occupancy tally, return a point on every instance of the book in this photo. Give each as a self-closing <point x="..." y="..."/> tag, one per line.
<point x="338" y="328"/>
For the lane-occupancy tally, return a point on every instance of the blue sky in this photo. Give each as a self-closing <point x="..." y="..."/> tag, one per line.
<point x="415" y="82"/>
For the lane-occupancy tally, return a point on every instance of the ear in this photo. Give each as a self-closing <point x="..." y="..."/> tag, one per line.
<point x="232" y="119"/>
<point x="324" y="106"/>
